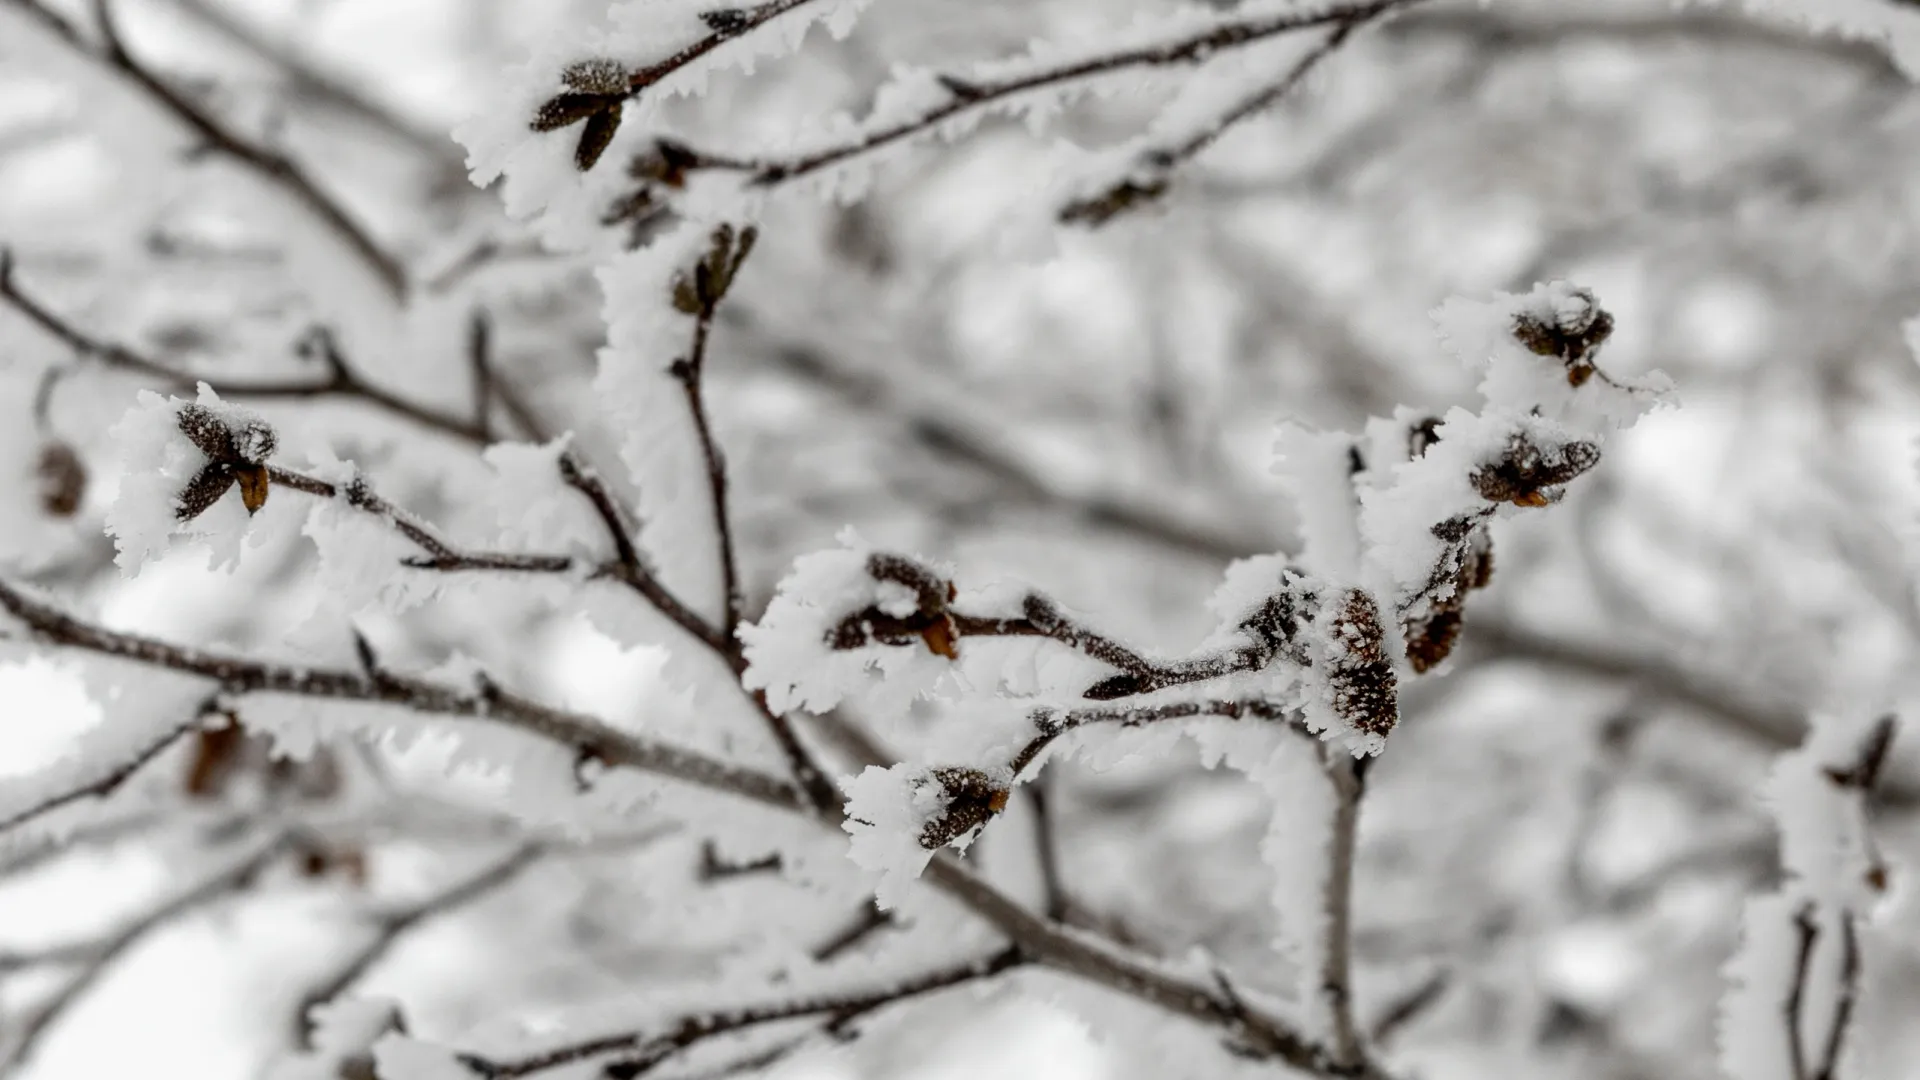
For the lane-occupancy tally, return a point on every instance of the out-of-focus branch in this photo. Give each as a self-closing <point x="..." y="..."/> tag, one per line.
<point x="307" y="79"/>
<point x="391" y="927"/>
<point x="968" y="96"/>
<point x="1157" y="164"/>
<point x="272" y="166"/>
<point x="642" y="1051"/>
<point x="33" y="1027"/>
<point x="110" y="781"/>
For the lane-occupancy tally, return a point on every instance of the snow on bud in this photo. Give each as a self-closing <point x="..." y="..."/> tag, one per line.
<point x="180" y="458"/>
<point x="1357" y="692"/>
<point x="1538" y="350"/>
<point x="898" y="817"/>
<point x="851" y="622"/>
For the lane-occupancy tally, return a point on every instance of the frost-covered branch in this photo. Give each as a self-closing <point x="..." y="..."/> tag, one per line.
<point x="1154" y="163"/>
<point x="960" y="97"/>
<point x="484" y="701"/>
<point x="1349" y="780"/>
<point x="1792" y="1003"/>
<point x="637" y="1053"/>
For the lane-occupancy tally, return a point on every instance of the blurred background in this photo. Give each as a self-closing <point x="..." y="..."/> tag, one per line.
<point x="1556" y="845"/>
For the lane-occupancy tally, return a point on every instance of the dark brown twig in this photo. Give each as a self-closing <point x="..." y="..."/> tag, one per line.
<point x="1795" y="1005"/>
<point x="487" y="701"/>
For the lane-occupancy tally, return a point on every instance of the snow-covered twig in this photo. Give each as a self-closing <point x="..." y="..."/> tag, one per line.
<point x="641" y="1051"/>
<point x="965" y="96"/>
<point x="1156" y="163"/>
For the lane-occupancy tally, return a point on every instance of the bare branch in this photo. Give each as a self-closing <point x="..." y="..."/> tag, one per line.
<point x="234" y="878"/>
<point x="341" y="381"/>
<point x="109" y="782"/>
<point x="1156" y="165"/>
<point x="488" y="701"/>
<point x="1348" y="777"/>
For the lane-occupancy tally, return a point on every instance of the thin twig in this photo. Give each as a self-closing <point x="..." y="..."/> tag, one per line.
<point x="1849" y="992"/>
<point x="109" y="782"/>
<point x="1348" y="777"/>
<point x="486" y="701"/>
<point x="968" y="96"/>
<point x="1157" y="164"/>
<point x="629" y="566"/>
<point x="652" y="1049"/>
<point x="1046" y="846"/>
<point x="865" y="924"/>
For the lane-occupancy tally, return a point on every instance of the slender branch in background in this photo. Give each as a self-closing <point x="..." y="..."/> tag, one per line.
<point x="1408" y="1008"/>
<point x="391" y="927"/>
<point x="629" y="566"/>
<point x="110" y="781"/>
<point x="269" y="164"/>
<point x="307" y="79"/>
<point x="1795" y="1006"/>
<point x="714" y="868"/>
<point x="341" y="380"/>
<point x="34" y="1026"/>
<point x="1843" y="1005"/>
<point x="649" y="1050"/>
<point x="1046" y="845"/>
<point x="1156" y="165"/>
<point x="1349" y="779"/>
<point x="970" y="96"/>
<point x="869" y="921"/>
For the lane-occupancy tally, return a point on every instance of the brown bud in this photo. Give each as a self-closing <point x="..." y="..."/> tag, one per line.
<point x="62" y="478"/>
<point x="1365" y="690"/>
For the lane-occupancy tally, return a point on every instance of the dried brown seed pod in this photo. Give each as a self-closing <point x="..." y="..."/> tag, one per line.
<point x="62" y="479"/>
<point x="1364" y="688"/>
<point x="1526" y="472"/>
<point x="972" y="798"/>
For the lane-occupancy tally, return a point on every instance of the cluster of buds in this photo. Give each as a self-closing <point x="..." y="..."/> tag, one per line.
<point x="968" y="799"/>
<point x="1574" y="332"/>
<point x="237" y="448"/>
<point x="922" y="616"/>
<point x="596" y="92"/>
